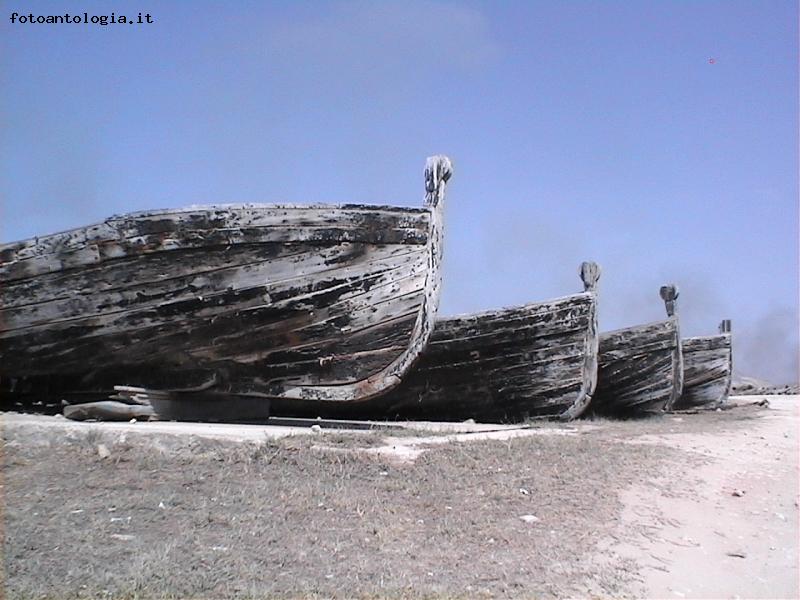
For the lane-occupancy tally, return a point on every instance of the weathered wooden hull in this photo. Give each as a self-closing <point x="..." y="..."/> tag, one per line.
<point x="537" y="360"/>
<point x="304" y="302"/>
<point x="504" y="366"/>
<point x="707" y="370"/>
<point x="640" y="369"/>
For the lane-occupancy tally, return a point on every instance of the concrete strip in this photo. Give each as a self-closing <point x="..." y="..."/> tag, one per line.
<point x="284" y="427"/>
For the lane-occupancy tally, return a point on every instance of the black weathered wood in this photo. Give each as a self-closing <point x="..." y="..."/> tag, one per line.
<point x="537" y="360"/>
<point x="641" y="367"/>
<point x="708" y="369"/>
<point x="304" y="302"/>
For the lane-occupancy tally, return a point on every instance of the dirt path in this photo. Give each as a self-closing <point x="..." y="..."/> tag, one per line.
<point x="727" y="528"/>
<point x="598" y="508"/>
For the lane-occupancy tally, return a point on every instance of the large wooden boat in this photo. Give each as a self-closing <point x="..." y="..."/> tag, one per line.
<point x="641" y="367"/>
<point x="296" y="302"/>
<point x="707" y="369"/>
<point x="501" y="366"/>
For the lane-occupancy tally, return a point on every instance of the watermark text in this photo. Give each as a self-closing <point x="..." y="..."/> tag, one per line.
<point x="82" y="18"/>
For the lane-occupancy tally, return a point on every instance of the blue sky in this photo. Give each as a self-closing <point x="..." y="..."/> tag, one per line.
<point x="656" y="138"/>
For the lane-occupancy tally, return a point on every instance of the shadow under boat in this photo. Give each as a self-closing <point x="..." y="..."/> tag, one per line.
<point x="641" y="367"/>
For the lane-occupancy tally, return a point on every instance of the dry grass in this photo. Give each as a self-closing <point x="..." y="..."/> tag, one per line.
<point x="289" y="518"/>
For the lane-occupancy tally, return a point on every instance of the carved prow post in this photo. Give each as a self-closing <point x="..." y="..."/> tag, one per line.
<point x="725" y="328"/>
<point x="438" y="170"/>
<point x="590" y="273"/>
<point x="669" y="294"/>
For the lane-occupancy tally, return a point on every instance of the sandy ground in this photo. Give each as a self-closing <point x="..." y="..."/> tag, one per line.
<point x="683" y="506"/>
<point x="725" y="528"/>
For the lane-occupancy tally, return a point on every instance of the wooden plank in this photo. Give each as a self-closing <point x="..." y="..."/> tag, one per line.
<point x="707" y="343"/>
<point x="168" y="272"/>
<point x="223" y="238"/>
<point x="318" y="290"/>
<point x="107" y="410"/>
<point x="205" y="220"/>
<point x="268" y="278"/>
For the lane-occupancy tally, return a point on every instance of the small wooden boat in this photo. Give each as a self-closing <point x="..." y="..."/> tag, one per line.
<point x="504" y="365"/>
<point x="296" y="302"/>
<point x="707" y="369"/>
<point x="641" y="367"/>
<point x="151" y="405"/>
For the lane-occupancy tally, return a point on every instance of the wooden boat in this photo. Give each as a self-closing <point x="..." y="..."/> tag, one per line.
<point x="707" y="369"/>
<point x="503" y="365"/>
<point x="295" y="302"/>
<point x="641" y="367"/>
